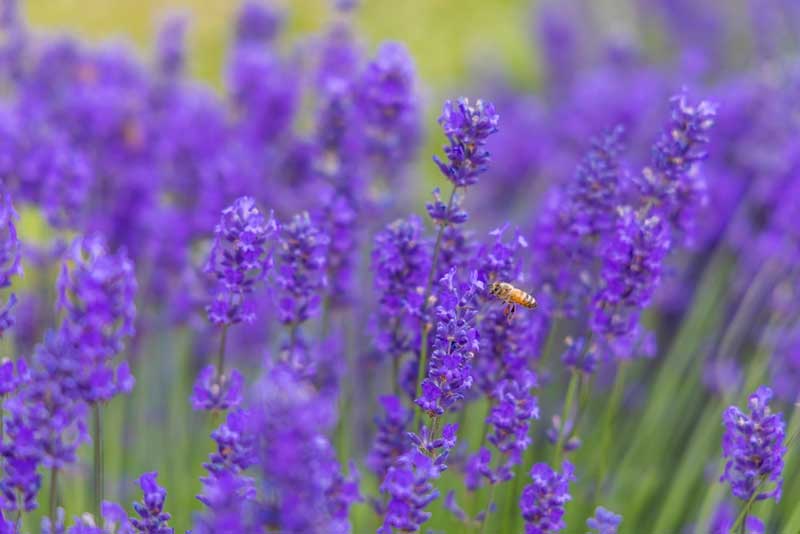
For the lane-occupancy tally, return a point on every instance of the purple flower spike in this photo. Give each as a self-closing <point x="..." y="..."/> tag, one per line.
<point x="10" y="256"/>
<point x="257" y="23"/>
<point x="401" y="260"/>
<point x="301" y="275"/>
<point x="632" y="265"/>
<point x="388" y="101"/>
<point x="467" y="127"/>
<point x="171" y="58"/>
<point x="604" y="521"/>
<point x="96" y="292"/>
<point x="753" y="445"/>
<point x="240" y="258"/>
<point x="391" y="441"/>
<point x="153" y="519"/>
<point x="408" y="484"/>
<point x="455" y="344"/>
<point x="542" y="502"/>
<point x="670" y="184"/>
<point x="10" y="247"/>
<point x="211" y="392"/>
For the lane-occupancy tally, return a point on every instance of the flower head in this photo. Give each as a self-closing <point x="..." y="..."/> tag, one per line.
<point x="391" y="441"/>
<point x="753" y="445"/>
<point x="96" y="292"/>
<point x="301" y="275"/>
<point x="240" y="258"/>
<point x="542" y="502"/>
<point x="152" y="518"/>
<point x="604" y="521"/>
<point x="454" y="347"/>
<point x="388" y="102"/>
<point x="467" y="128"/>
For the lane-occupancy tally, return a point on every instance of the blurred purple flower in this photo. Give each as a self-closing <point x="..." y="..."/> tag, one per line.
<point x="391" y="440"/>
<point x="604" y="521"/>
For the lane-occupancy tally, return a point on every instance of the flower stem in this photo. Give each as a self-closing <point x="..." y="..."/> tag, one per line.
<point x="221" y="353"/>
<point x="570" y="398"/>
<point x="488" y="508"/>
<point x="53" y="495"/>
<point x="98" y="460"/>
<point x="610" y="414"/>
<point x="422" y="367"/>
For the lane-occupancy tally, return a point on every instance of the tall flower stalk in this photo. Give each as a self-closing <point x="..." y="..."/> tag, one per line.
<point x="467" y="128"/>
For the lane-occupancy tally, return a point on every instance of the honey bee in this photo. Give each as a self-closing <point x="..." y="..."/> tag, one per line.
<point x="512" y="297"/>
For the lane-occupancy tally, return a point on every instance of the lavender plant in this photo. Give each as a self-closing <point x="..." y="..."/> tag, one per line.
<point x="256" y="246"/>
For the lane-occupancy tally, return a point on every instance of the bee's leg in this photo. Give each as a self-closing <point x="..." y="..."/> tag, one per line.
<point x="509" y="311"/>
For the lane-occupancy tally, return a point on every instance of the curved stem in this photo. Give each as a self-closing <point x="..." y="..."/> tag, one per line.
<point x="570" y="398"/>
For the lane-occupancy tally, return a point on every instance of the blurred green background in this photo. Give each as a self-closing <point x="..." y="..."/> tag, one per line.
<point x="446" y="37"/>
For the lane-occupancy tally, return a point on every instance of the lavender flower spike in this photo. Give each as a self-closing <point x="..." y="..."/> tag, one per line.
<point x="153" y="519"/>
<point x="753" y="445"/>
<point x="604" y="521"/>
<point x="542" y="502"/>
<point x="467" y="128"/>
<point x="239" y="258"/>
<point x="454" y="347"/>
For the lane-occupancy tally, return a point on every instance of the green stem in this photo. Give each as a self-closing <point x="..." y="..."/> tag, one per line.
<point x="98" y="460"/>
<point x="484" y="520"/>
<point x="221" y="353"/>
<point x="614" y="402"/>
<point x="570" y="398"/>
<point x="422" y="367"/>
<point x="53" y="495"/>
<point x="548" y="344"/>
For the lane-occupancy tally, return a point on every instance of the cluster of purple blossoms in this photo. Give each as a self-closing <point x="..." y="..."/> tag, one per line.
<point x="96" y="293"/>
<point x="410" y="488"/>
<point x="506" y="347"/>
<point x="542" y="502"/>
<point x="233" y="455"/>
<point x="753" y="445"/>
<point x="152" y="518"/>
<point x="391" y="440"/>
<point x="216" y="391"/>
<point x="401" y="260"/>
<point x="455" y="345"/>
<point x="240" y="258"/>
<point x="301" y="270"/>
<point x="10" y="256"/>
<point x="290" y="419"/>
<point x="576" y="220"/>
<point x="467" y="128"/>
<point x="632" y="265"/>
<point x="511" y="415"/>
<point x="387" y="99"/>
<point x="604" y="521"/>
<point x="672" y="182"/>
